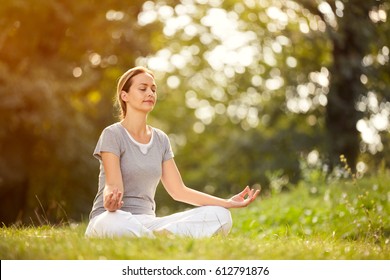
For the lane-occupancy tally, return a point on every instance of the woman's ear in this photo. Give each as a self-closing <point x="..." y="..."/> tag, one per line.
<point x="124" y="95"/>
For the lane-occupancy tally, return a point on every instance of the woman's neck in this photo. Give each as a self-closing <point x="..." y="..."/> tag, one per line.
<point x="136" y="125"/>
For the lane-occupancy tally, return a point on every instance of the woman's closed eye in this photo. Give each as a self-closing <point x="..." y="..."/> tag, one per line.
<point x="145" y="89"/>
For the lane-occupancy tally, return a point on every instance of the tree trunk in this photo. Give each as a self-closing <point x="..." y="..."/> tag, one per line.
<point x="350" y="44"/>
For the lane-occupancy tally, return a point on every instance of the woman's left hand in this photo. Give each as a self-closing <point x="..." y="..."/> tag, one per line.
<point x="243" y="198"/>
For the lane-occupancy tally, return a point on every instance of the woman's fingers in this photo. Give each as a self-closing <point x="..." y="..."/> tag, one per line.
<point x="256" y="193"/>
<point x="244" y="191"/>
<point x="251" y="196"/>
<point x="113" y="200"/>
<point x="248" y="192"/>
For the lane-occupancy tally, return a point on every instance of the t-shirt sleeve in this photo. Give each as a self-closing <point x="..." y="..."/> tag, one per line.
<point x="168" y="153"/>
<point x="108" y="142"/>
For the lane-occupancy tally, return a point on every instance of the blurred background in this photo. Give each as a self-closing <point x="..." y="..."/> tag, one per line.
<point x="251" y="92"/>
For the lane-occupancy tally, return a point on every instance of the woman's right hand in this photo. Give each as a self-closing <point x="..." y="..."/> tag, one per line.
<point x="113" y="200"/>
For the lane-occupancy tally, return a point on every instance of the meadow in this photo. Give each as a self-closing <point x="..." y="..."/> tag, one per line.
<point x="336" y="218"/>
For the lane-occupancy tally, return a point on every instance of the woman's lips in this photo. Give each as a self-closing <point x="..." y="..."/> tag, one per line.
<point x="151" y="102"/>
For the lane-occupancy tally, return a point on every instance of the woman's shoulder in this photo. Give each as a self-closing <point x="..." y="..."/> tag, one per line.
<point x="160" y="135"/>
<point x="115" y="127"/>
<point x="113" y="130"/>
<point x="159" y="132"/>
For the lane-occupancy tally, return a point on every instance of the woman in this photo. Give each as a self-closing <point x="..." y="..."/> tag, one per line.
<point x="134" y="157"/>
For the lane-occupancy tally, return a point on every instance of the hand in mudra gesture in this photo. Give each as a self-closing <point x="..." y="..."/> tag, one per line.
<point x="243" y="198"/>
<point x="113" y="200"/>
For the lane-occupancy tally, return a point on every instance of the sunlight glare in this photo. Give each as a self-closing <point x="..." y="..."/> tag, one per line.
<point x="173" y="82"/>
<point x="148" y="14"/>
<point x="313" y="158"/>
<point x="205" y="112"/>
<point x="377" y="15"/>
<point x="327" y="11"/>
<point x="274" y="83"/>
<point x="321" y="78"/>
<point x="77" y="72"/>
<point x="112" y="15"/>
<point x="277" y="14"/>
<point x="370" y="135"/>
<point x="198" y="127"/>
<point x="291" y="62"/>
<point x="165" y="12"/>
<point x="160" y="62"/>
<point x="95" y="59"/>
<point x="381" y="121"/>
<point x="173" y="24"/>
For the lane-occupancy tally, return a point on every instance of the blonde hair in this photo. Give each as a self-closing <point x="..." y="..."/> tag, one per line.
<point x="124" y="83"/>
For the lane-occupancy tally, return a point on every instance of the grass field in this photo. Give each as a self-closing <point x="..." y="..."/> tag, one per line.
<point x="337" y="219"/>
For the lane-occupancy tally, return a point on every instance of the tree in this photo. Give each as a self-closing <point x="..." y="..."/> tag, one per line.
<point x="227" y="69"/>
<point x="351" y="44"/>
<point x="267" y="84"/>
<point x="248" y="90"/>
<point x="58" y="66"/>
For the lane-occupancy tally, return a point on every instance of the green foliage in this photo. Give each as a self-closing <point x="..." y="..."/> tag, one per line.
<point x="237" y="121"/>
<point x="338" y="219"/>
<point x="242" y="102"/>
<point x="332" y="207"/>
<point x="58" y="68"/>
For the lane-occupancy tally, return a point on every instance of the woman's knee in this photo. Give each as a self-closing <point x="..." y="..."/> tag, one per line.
<point x="223" y="216"/>
<point x="107" y="224"/>
<point x="115" y="224"/>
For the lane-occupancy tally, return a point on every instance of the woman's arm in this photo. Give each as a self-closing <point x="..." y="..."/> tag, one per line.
<point x="113" y="190"/>
<point x="174" y="185"/>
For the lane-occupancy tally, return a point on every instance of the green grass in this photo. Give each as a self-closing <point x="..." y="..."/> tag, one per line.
<point x="339" y="219"/>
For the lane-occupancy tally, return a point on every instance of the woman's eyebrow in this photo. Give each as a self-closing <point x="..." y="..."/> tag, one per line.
<point x="146" y="84"/>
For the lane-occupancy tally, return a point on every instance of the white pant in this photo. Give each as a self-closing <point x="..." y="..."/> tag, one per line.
<point x="203" y="221"/>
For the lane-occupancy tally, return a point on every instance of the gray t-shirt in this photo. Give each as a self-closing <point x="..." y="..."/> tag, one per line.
<point x="141" y="172"/>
